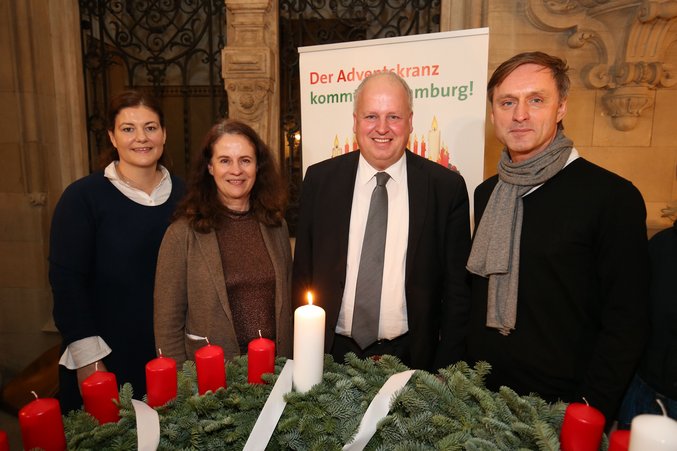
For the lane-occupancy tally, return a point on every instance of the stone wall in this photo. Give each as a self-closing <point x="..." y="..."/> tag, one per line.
<point x="41" y="151"/>
<point x="646" y="154"/>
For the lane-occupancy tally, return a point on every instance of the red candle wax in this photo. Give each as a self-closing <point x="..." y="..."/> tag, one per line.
<point x="260" y="359"/>
<point x="211" y="368"/>
<point x="161" y="381"/>
<point x="619" y="441"/>
<point x="98" y="392"/>
<point x="4" y="441"/>
<point x="42" y="425"/>
<point x="582" y="428"/>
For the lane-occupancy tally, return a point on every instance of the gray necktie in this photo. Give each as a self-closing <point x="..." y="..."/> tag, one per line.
<point x="370" y="273"/>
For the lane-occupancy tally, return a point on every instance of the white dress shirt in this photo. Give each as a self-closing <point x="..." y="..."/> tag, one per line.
<point x="572" y="156"/>
<point x="393" y="314"/>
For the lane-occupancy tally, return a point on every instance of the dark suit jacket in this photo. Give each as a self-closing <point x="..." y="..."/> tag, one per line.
<point x="437" y="251"/>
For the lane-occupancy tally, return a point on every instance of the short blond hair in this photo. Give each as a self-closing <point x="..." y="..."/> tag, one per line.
<point x="384" y="74"/>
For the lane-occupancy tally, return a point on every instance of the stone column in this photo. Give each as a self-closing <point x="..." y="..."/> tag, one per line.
<point x="462" y="14"/>
<point x="42" y="149"/>
<point x="250" y="66"/>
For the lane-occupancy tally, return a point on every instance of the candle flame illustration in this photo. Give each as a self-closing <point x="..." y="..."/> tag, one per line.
<point x="309" y="296"/>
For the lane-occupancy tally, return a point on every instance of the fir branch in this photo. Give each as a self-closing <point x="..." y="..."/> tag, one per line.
<point x="479" y="444"/>
<point x="546" y="436"/>
<point x="451" y="410"/>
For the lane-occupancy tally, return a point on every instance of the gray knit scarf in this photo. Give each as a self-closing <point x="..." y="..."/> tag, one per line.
<point x="496" y="245"/>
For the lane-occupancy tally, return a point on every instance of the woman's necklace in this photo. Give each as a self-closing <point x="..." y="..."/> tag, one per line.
<point x="136" y="185"/>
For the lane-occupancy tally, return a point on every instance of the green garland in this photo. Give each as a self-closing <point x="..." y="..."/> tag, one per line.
<point x="451" y="411"/>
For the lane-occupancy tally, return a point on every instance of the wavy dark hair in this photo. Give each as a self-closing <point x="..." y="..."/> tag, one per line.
<point x="201" y="204"/>
<point x="130" y="99"/>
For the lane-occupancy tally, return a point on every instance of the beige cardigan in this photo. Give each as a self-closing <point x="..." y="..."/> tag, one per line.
<point x="190" y="292"/>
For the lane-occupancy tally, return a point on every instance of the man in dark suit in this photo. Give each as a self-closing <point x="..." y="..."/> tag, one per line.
<point x="424" y="298"/>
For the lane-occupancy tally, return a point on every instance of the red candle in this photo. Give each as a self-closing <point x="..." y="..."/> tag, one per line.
<point x="161" y="380"/>
<point x="211" y="368"/>
<point x="42" y="425"/>
<point x="582" y="428"/>
<point x="4" y="442"/>
<point x="260" y="359"/>
<point x="98" y="392"/>
<point x="619" y="441"/>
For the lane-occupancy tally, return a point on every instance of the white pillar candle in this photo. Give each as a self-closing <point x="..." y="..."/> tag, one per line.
<point x="653" y="432"/>
<point x="308" y="346"/>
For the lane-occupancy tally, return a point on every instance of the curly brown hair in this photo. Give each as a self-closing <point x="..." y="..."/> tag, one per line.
<point x="201" y="204"/>
<point x="130" y="99"/>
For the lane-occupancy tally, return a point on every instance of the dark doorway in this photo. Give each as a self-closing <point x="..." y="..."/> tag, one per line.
<point x="172" y="49"/>
<point x="315" y="22"/>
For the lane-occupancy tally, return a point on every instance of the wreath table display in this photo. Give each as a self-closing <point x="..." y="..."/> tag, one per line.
<point x="450" y="410"/>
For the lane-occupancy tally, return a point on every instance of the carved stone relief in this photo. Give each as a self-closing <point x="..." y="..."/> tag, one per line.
<point x="631" y="38"/>
<point x="250" y="65"/>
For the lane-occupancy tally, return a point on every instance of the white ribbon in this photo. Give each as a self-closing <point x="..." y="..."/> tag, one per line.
<point x="148" y="421"/>
<point x="147" y="426"/>
<point x="197" y="338"/>
<point x="377" y="410"/>
<point x="271" y="412"/>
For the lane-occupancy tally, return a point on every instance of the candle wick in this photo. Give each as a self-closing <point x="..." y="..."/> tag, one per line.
<point x="586" y="401"/>
<point x="207" y="339"/>
<point x="660" y="403"/>
<point x="260" y="334"/>
<point x="159" y="350"/>
<point x="96" y="366"/>
<point x="34" y="394"/>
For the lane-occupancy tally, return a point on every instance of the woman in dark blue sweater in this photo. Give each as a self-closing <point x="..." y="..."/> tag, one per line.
<point x="106" y="232"/>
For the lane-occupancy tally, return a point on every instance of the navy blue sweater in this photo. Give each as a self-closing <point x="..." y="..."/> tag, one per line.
<point x="103" y="253"/>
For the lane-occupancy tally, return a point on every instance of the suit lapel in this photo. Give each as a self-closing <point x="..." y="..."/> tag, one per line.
<point x="341" y="204"/>
<point x="417" y="185"/>
<point x="209" y="247"/>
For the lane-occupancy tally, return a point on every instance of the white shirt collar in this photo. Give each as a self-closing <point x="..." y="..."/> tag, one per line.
<point x="159" y="195"/>
<point x="572" y="156"/>
<point x="366" y="172"/>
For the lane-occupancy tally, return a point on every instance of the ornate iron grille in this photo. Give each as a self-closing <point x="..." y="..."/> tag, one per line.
<point x="314" y="22"/>
<point x="171" y="48"/>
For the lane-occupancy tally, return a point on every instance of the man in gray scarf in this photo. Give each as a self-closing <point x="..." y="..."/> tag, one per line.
<point x="559" y="255"/>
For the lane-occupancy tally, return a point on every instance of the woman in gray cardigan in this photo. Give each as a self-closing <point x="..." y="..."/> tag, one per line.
<point x="224" y="268"/>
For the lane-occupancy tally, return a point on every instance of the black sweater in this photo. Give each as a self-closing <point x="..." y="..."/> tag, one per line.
<point x="582" y="317"/>
<point x="659" y="366"/>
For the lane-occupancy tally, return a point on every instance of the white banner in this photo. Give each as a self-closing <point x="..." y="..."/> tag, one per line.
<point x="447" y="72"/>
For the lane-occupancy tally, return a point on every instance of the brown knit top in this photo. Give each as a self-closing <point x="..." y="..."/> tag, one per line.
<point x="249" y="275"/>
